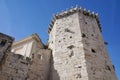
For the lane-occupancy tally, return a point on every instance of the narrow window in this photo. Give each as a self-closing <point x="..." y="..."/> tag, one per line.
<point x="78" y="76"/>
<point x="32" y="55"/>
<point x="93" y="50"/>
<point x="70" y="36"/>
<point x="3" y="42"/>
<point x="92" y="35"/>
<point x="67" y="30"/>
<point x="83" y="35"/>
<point x="59" y="41"/>
<point x="108" y="68"/>
<point x="71" y="46"/>
<point x="64" y="38"/>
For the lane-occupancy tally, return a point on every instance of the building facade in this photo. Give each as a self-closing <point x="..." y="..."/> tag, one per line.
<point x="16" y="65"/>
<point x="78" y="49"/>
<point x="75" y="51"/>
<point x="27" y="46"/>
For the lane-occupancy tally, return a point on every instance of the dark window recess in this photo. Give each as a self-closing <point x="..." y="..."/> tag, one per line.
<point x="11" y="78"/>
<point x="23" y="62"/>
<point x="3" y="42"/>
<point x="70" y="36"/>
<point x="32" y="55"/>
<point x="46" y="46"/>
<point x="93" y="73"/>
<point x="92" y="35"/>
<point x="10" y="64"/>
<point x="16" y="70"/>
<point x="83" y="35"/>
<point x="71" y="54"/>
<point x="67" y="30"/>
<point x="79" y="66"/>
<point x="52" y="42"/>
<point x="59" y="41"/>
<point x="20" y="56"/>
<point x="28" y="59"/>
<point x="93" y="50"/>
<point x="108" y="68"/>
<point x="26" y="78"/>
<point x="71" y="46"/>
<point x="78" y="76"/>
<point x="63" y="38"/>
<point x="85" y="22"/>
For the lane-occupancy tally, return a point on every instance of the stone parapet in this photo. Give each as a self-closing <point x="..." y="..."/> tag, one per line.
<point x="72" y="11"/>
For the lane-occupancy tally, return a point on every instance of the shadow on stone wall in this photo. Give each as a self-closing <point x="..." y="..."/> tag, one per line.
<point x="13" y="67"/>
<point x="53" y="75"/>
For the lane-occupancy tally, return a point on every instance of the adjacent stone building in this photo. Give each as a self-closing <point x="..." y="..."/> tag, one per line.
<point x="29" y="59"/>
<point x="27" y="46"/>
<point x="75" y="51"/>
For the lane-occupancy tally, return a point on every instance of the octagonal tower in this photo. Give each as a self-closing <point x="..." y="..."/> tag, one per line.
<point x="78" y="49"/>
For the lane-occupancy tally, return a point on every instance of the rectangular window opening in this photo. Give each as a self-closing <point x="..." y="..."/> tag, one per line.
<point x="3" y="42"/>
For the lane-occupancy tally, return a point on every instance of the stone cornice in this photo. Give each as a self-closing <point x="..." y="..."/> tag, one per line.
<point x="33" y="36"/>
<point x="71" y="11"/>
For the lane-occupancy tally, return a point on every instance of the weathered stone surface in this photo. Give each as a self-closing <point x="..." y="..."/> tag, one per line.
<point x="5" y="44"/>
<point x="78" y="49"/>
<point x="95" y="52"/>
<point x="16" y="67"/>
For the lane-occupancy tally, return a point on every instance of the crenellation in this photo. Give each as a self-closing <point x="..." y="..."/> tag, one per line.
<point x="71" y="11"/>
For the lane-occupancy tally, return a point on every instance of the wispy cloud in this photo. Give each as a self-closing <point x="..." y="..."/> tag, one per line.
<point x="5" y="23"/>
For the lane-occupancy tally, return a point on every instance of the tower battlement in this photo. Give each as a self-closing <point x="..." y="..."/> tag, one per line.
<point x="71" y="11"/>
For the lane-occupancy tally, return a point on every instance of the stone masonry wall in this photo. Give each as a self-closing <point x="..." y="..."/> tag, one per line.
<point x="17" y="67"/>
<point x="78" y="49"/>
<point x="5" y="44"/>
<point x="99" y="66"/>
<point x="14" y="67"/>
<point x="67" y="50"/>
<point x="39" y="70"/>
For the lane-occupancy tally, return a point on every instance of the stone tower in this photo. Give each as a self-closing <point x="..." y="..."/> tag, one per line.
<point x="78" y="49"/>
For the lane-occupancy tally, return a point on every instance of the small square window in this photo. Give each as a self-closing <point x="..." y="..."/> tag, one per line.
<point x="3" y="42"/>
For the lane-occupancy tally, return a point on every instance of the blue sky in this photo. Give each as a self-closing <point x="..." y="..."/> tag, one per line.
<point x="21" y="18"/>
